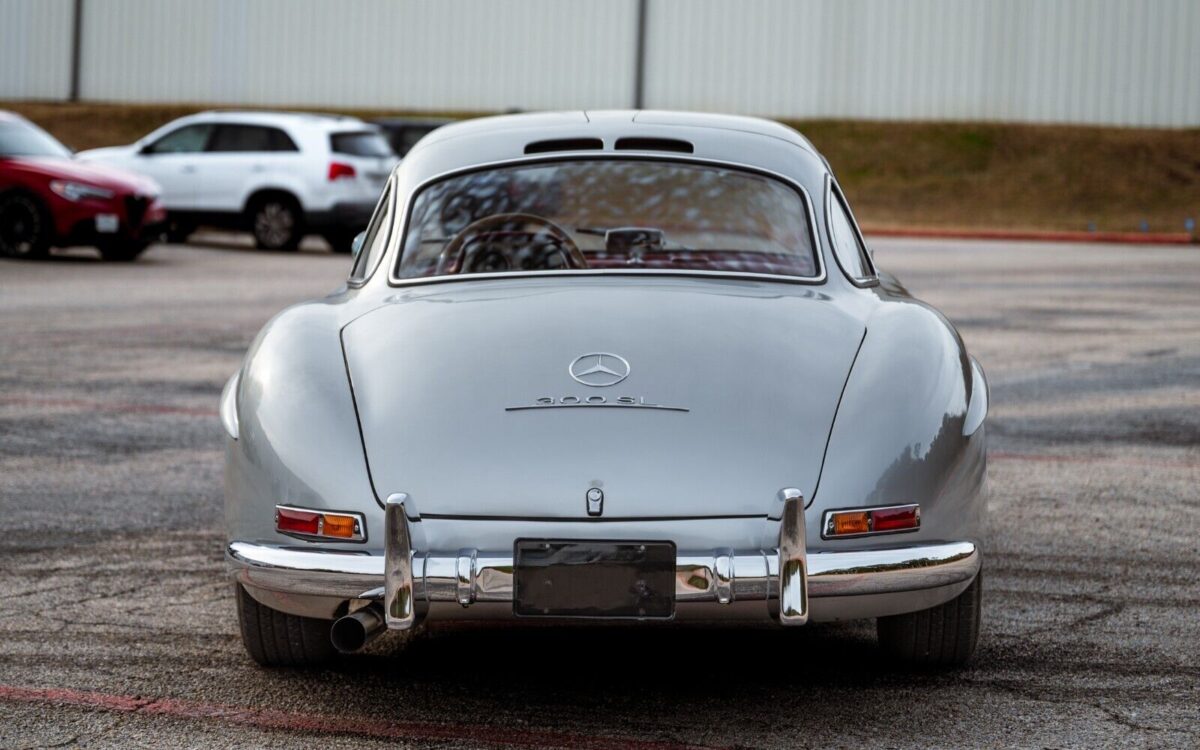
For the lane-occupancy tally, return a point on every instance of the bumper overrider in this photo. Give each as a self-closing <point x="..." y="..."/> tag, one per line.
<point x="786" y="584"/>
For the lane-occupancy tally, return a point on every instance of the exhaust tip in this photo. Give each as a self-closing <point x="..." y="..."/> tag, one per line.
<point x="354" y="631"/>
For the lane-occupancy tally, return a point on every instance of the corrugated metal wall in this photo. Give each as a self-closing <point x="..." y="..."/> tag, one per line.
<point x="35" y="49"/>
<point x="466" y="54"/>
<point x="1124" y="62"/>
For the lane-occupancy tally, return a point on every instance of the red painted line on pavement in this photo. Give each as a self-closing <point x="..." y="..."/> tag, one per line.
<point x="267" y="718"/>
<point x="75" y="403"/>
<point x="1050" y="458"/>
<point x="1129" y="238"/>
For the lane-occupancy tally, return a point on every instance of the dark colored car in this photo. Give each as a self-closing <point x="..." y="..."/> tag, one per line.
<point x="48" y="199"/>
<point x="404" y="132"/>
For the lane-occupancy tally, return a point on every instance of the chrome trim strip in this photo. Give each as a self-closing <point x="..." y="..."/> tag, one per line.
<point x="793" y="578"/>
<point x="535" y="407"/>
<point x="398" y="238"/>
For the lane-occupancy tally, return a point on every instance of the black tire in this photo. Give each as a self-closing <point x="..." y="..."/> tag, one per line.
<point x="277" y="639"/>
<point x="942" y="636"/>
<point x="341" y="241"/>
<point x="277" y="222"/>
<point x="122" y="251"/>
<point x="26" y="228"/>
<point x="178" y="231"/>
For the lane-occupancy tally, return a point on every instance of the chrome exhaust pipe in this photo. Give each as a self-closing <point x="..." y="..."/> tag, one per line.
<point x="357" y="629"/>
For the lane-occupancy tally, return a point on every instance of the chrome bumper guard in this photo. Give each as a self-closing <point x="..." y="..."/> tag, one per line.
<point x="785" y="576"/>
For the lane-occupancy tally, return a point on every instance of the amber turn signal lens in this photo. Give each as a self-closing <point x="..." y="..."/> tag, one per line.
<point x="851" y="523"/>
<point x="342" y="527"/>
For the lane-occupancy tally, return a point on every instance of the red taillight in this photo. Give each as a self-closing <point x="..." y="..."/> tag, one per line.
<point x="872" y="520"/>
<point x="291" y="520"/>
<point x="338" y="170"/>
<point x="894" y="519"/>
<point x="315" y="523"/>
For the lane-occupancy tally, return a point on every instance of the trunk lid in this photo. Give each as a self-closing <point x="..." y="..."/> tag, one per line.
<point x="441" y="373"/>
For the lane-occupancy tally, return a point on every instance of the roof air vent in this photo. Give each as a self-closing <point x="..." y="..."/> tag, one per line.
<point x="565" y="144"/>
<point x="654" y="144"/>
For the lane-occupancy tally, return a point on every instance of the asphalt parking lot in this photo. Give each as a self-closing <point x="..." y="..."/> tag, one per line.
<point x="117" y="626"/>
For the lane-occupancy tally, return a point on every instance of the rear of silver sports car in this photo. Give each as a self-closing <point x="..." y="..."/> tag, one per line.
<point x="643" y="479"/>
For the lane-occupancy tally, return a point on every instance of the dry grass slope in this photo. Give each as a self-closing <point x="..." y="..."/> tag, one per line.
<point x="955" y="175"/>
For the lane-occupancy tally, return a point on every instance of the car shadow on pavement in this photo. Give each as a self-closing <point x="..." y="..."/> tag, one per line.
<point x="587" y="658"/>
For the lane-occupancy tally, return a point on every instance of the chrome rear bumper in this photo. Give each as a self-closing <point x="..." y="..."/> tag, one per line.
<point x="414" y="583"/>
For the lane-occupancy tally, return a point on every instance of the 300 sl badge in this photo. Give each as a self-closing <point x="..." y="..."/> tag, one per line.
<point x="565" y="402"/>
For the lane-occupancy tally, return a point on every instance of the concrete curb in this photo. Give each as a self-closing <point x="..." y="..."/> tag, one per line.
<point x="1128" y="238"/>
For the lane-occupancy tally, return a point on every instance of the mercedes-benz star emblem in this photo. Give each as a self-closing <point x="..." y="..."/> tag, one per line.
<point x="599" y="369"/>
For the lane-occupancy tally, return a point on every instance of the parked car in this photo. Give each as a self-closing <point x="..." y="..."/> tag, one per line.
<point x="404" y="132"/>
<point x="48" y="199"/>
<point x="279" y="175"/>
<point x="662" y="381"/>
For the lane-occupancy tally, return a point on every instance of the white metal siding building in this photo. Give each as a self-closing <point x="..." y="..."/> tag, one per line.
<point x="1113" y="62"/>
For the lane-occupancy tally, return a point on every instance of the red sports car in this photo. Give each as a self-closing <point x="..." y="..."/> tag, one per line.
<point x="48" y="199"/>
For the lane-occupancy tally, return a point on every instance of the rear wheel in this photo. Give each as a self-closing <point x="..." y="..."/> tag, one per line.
<point x="178" y="230"/>
<point x="942" y="636"/>
<point x="25" y="227"/>
<point x="277" y="639"/>
<point x="277" y="222"/>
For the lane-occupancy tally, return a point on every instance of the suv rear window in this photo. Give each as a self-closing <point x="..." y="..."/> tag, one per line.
<point x="360" y="143"/>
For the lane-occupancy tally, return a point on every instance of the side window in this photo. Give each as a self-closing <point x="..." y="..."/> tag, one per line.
<point x="843" y="236"/>
<point x="250" y="139"/>
<point x="376" y="239"/>
<point x="281" y="141"/>
<point x="189" y="139"/>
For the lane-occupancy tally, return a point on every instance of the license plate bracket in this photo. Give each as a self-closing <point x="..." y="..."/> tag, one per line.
<point x="592" y="579"/>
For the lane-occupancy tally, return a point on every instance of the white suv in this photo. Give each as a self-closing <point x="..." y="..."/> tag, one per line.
<point x="279" y="175"/>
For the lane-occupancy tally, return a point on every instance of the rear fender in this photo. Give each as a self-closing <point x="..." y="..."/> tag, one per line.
<point x="298" y="440"/>
<point x="909" y="429"/>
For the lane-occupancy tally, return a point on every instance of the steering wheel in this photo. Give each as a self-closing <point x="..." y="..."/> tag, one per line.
<point x="483" y="258"/>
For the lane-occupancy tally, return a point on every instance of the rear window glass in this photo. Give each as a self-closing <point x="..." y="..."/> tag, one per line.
<point x="608" y="214"/>
<point x="365" y="143"/>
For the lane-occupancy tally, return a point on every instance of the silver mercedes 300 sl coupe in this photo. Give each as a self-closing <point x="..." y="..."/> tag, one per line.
<point x="607" y="366"/>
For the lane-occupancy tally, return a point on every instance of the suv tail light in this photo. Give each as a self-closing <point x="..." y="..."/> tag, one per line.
<point x="338" y="170"/>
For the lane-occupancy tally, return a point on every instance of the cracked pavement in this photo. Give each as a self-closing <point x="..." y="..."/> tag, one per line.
<point x="117" y="627"/>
